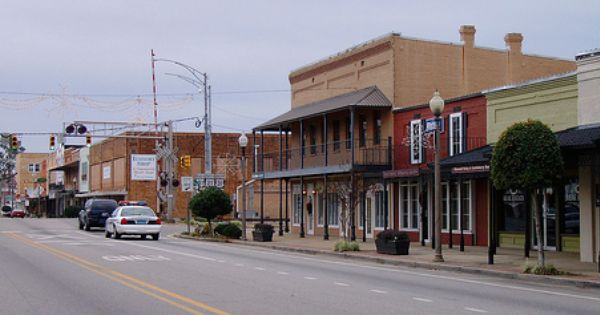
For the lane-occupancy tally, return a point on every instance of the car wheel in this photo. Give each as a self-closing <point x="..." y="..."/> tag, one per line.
<point x="155" y="236"/>
<point x="87" y="226"/>
<point x="80" y="225"/>
<point x="116" y="234"/>
<point x="107" y="234"/>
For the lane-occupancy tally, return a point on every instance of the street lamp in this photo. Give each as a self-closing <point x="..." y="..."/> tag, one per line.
<point x="436" y="104"/>
<point x="243" y="141"/>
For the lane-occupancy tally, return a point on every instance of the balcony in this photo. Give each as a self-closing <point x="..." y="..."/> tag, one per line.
<point x="320" y="159"/>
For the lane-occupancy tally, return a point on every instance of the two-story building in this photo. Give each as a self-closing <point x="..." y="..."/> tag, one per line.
<point x="341" y="128"/>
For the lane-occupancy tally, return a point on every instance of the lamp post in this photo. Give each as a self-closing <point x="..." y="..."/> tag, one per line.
<point x="243" y="141"/>
<point x="436" y="104"/>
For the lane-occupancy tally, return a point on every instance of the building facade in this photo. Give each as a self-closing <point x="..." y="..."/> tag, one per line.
<point x="31" y="177"/>
<point x="341" y="128"/>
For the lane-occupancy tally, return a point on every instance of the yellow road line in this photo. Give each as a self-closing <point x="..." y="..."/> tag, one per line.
<point x="118" y="277"/>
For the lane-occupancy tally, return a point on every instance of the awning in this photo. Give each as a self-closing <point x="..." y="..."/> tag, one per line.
<point x="65" y="166"/>
<point x="476" y="157"/>
<point x="101" y="194"/>
<point x="369" y="97"/>
<point x="580" y="137"/>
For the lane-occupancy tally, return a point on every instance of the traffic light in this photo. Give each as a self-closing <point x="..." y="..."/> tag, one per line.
<point x="14" y="142"/>
<point x="88" y="140"/>
<point x="52" y="142"/>
<point x="186" y="161"/>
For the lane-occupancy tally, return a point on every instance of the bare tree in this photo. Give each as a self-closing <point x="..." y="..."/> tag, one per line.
<point x="348" y="195"/>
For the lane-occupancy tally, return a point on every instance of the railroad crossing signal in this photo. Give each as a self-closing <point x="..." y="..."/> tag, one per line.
<point x="88" y="140"/>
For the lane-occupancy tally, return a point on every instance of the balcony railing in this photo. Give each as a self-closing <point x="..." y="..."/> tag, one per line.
<point x="336" y="153"/>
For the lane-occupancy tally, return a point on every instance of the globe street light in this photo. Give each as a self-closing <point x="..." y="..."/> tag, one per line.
<point x="436" y="104"/>
<point x="243" y="141"/>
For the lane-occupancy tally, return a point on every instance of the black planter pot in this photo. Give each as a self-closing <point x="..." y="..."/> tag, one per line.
<point x="392" y="247"/>
<point x="262" y="236"/>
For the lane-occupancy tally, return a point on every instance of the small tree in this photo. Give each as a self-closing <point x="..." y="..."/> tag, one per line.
<point x="210" y="203"/>
<point x="348" y="195"/>
<point x="527" y="157"/>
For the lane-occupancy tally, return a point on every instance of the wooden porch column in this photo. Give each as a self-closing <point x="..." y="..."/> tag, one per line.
<point x="262" y="181"/>
<point x="353" y="190"/>
<point x="301" y="206"/>
<point x="280" y="184"/>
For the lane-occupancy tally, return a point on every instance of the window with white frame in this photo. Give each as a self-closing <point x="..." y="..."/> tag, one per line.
<point x="320" y="208"/>
<point x="409" y="206"/>
<point x="297" y="206"/>
<point x="456" y="136"/>
<point x="455" y="198"/>
<point x="333" y="210"/>
<point x="416" y="143"/>
<point x="34" y="167"/>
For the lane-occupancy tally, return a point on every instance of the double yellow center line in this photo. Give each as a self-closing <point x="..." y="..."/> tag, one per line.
<point x="151" y="290"/>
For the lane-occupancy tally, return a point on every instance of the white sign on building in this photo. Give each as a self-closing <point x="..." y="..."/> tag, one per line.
<point x="187" y="183"/>
<point x="143" y="167"/>
<point x="106" y="172"/>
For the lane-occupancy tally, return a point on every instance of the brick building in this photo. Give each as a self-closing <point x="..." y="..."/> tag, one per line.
<point x="30" y="167"/>
<point x="110" y="168"/>
<point x="341" y="126"/>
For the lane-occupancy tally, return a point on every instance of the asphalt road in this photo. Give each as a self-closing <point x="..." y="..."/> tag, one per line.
<point x="48" y="266"/>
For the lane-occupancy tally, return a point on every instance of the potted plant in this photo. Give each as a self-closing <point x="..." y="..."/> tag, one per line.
<point x="262" y="232"/>
<point x="392" y="242"/>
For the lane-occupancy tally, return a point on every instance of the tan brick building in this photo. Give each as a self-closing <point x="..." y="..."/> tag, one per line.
<point x="30" y="167"/>
<point x="341" y="120"/>
<point x="110" y="167"/>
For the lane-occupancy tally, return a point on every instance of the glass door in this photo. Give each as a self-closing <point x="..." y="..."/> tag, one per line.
<point x="369" y="217"/>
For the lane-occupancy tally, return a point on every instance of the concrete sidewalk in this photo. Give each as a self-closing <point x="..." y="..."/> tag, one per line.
<point x="508" y="263"/>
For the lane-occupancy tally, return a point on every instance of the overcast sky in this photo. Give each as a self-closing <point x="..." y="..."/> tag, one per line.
<point x="101" y="49"/>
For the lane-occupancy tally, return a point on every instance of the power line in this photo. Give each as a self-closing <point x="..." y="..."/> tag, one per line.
<point x="140" y="94"/>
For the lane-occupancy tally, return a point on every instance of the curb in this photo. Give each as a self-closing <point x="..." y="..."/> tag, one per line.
<point x="419" y="265"/>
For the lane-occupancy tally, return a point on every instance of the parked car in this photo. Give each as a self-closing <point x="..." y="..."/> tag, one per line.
<point x="95" y="213"/>
<point x="17" y="213"/>
<point x="133" y="220"/>
<point x="6" y="210"/>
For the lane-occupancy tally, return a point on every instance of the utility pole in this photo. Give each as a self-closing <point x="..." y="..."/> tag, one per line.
<point x="207" y="128"/>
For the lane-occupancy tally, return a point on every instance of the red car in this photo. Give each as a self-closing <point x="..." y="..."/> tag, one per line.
<point x="17" y="213"/>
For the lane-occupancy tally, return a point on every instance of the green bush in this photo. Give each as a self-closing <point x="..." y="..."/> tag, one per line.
<point x="71" y="211"/>
<point x="547" y="270"/>
<point x="392" y="235"/>
<point x="220" y="227"/>
<point x="263" y="227"/>
<point x="345" y="246"/>
<point x="232" y="231"/>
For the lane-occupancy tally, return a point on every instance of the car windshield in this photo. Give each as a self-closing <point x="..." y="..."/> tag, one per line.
<point x="108" y="205"/>
<point x="133" y="211"/>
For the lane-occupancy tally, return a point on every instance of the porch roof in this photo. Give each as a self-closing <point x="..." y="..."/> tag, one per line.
<point x="367" y="97"/>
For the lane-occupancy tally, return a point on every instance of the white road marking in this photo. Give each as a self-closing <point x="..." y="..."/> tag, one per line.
<point x="421" y="274"/>
<point x="422" y="300"/>
<point x="86" y="244"/>
<point x="476" y="310"/>
<point x="341" y="284"/>
<point x="122" y="258"/>
<point x="282" y="273"/>
<point x="259" y="268"/>
<point x="378" y="291"/>
<point x="310" y="278"/>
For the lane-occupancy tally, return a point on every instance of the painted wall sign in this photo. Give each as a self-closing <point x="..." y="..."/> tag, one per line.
<point x="143" y="167"/>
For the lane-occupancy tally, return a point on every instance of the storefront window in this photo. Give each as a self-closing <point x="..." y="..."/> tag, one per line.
<point x="571" y="208"/>
<point x="513" y="204"/>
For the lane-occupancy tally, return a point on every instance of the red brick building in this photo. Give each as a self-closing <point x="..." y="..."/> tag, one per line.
<point x="464" y="191"/>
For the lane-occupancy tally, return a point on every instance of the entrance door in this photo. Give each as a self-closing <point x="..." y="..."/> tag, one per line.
<point x="423" y="202"/>
<point x="548" y="221"/>
<point x="369" y="217"/>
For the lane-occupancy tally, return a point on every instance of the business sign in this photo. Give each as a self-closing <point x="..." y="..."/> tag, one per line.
<point x="411" y="172"/>
<point x="143" y="167"/>
<point x="471" y="169"/>
<point x="187" y="183"/>
<point x="209" y="180"/>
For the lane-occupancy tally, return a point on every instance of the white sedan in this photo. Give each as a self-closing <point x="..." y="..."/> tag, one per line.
<point x="133" y="220"/>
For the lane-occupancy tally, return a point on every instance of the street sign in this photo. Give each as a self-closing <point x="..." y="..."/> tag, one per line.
<point x="209" y="180"/>
<point x="187" y="183"/>
<point x="430" y="124"/>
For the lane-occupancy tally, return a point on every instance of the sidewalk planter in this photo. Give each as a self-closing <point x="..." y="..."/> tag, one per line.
<point x="263" y="233"/>
<point x="392" y="242"/>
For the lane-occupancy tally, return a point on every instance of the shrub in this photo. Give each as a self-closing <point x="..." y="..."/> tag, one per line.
<point x="263" y="227"/>
<point x="392" y="235"/>
<point x="210" y="203"/>
<point x="220" y="227"/>
<point x="71" y="211"/>
<point x="345" y="246"/>
<point x="547" y="270"/>
<point x="232" y="231"/>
